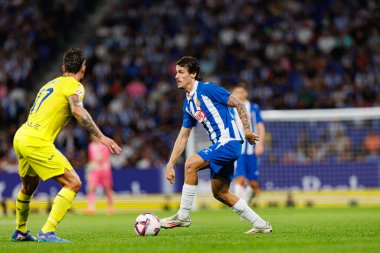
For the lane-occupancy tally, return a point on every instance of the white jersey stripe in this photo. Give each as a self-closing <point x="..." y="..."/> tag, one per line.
<point x="192" y="108"/>
<point x="253" y="121"/>
<point x="205" y="123"/>
<point x="216" y="116"/>
<point x="236" y="130"/>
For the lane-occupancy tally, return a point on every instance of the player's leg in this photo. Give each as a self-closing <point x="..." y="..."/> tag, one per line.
<point x="90" y="197"/>
<point x="29" y="186"/>
<point x="220" y="189"/>
<point x="192" y="166"/>
<point x="221" y="172"/>
<point x="240" y="173"/>
<point x="252" y="189"/>
<point x="30" y="182"/>
<point x="48" y="162"/>
<point x="108" y="188"/>
<point x="71" y="185"/>
<point x="182" y="219"/>
<point x="109" y="194"/>
<point x="93" y="180"/>
<point x="252" y="175"/>
<point x="240" y="180"/>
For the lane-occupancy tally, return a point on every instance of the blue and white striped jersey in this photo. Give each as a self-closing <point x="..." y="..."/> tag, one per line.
<point x="254" y="115"/>
<point x="207" y="104"/>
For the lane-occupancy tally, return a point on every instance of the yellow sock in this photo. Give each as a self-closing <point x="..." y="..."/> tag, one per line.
<point x="22" y="211"/>
<point x="61" y="205"/>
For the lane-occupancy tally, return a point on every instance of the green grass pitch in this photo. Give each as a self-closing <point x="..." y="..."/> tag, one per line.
<point x="294" y="230"/>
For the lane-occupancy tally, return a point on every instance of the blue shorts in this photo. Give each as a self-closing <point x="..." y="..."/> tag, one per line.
<point x="222" y="158"/>
<point x="247" y="166"/>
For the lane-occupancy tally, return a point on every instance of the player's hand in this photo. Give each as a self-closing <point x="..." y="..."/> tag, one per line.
<point x="170" y="173"/>
<point x="111" y="145"/>
<point x="251" y="137"/>
<point x="259" y="150"/>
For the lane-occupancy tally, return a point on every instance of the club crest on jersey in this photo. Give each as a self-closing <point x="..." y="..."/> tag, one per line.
<point x="200" y="116"/>
<point x="198" y="102"/>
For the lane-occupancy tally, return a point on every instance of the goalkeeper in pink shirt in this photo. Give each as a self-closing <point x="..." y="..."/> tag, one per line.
<point x="98" y="174"/>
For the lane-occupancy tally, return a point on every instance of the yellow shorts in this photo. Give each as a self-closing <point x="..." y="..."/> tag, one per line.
<point x="39" y="157"/>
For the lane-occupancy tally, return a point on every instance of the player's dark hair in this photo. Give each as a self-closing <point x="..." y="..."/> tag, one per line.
<point x="73" y="60"/>
<point x="192" y="65"/>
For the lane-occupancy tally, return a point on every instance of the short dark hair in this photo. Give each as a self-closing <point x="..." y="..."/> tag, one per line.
<point x="73" y="60"/>
<point x="192" y="65"/>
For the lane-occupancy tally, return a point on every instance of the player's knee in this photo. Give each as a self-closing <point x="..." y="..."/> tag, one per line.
<point x="240" y="181"/>
<point x="216" y="195"/>
<point x="254" y="185"/>
<point x="190" y="167"/>
<point x="76" y="185"/>
<point x="28" y="189"/>
<point x="219" y="195"/>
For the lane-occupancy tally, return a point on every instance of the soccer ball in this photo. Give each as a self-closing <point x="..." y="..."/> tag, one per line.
<point x="147" y="224"/>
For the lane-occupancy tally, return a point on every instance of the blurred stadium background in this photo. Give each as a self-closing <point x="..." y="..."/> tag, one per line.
<point x="312" y="66"/>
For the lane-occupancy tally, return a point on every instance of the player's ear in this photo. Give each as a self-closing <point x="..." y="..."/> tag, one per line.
<point x="83" y="68"/>
<point x="63" y="68"/>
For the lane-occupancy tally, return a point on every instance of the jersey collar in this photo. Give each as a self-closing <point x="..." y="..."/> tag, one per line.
<point x="192" y="92"/>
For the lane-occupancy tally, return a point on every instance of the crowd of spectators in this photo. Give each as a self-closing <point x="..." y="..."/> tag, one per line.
<point x="293" y="54"/>
<point x="330" y="142"/>
<point x="31" y="32"/>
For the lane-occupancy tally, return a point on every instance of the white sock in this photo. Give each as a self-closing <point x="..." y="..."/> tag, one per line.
<point x="187" y="199"/>
<point x="250" y="193"/>
<point x="240" y="191"/>
<point x="247" y="213"/>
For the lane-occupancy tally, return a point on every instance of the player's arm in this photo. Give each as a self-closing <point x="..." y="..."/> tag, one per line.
<point x="84" y="118"/>
<point x="240" y="107"/>
<point x="259" y="149"/>
<point x="179" y="147"/>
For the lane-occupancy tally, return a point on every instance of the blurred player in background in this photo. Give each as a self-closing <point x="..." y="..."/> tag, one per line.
<point x="247" y="166"/>
<point x="55" y="104"/>
<point x="208" y="103"/>
<point x="98" y="174"/>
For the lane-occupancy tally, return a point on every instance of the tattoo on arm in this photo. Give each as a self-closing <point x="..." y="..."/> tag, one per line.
<point x="242" y="111"/>
<point x="89" y="124"/>
<point x="83" y="117"/>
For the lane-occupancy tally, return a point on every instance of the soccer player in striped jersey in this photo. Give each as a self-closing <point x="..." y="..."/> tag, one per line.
<point x="247" y="165"/>
<point x="54" y="106"/>
<point x="207" y="103"/>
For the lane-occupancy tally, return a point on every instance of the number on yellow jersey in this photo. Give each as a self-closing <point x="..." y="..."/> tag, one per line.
<point x="42" y="95"/>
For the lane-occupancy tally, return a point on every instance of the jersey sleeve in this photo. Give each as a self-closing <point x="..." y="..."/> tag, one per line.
<point x="188" y="121"/>
<point x="217" y="93"/>
<point x="74" y="88"/>
<point x="231" y="111"/>
<point x="255" y="108"/>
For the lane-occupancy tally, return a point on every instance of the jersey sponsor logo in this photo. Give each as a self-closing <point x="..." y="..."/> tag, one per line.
<point x="207" y="150"/>
<point x="79" y="92"/>
<point x="34" y="125"/>
<point x="200" y="116"/>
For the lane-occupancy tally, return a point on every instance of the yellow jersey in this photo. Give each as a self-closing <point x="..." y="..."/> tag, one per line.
<point x="51" y="109"/>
